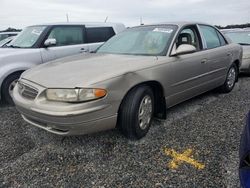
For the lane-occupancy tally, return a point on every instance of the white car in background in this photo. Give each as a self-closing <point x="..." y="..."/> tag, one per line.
<point x="42" y="43"/>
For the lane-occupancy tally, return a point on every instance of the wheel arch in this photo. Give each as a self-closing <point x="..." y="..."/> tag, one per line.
<point x="19" y="71"/>
<point x="159" y="97"/>
<point x="237" y="62"/>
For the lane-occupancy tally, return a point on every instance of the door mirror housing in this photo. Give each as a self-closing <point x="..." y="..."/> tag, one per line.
<point x="50" y="42"/>
<point x="184" y="49"/>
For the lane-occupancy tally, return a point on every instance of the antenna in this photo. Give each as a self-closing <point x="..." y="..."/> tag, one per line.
<point x="106" y="19"/>
<point x="67" y="16"/>
<point x="141" y="23"/>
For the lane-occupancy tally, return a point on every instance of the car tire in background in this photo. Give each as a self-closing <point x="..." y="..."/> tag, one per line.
<point x="8" y="86"/>
<point x="136" y="112"/>
<point x="232" y="77"/>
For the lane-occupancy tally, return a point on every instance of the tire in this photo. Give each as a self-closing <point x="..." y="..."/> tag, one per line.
<point x="8" y="86"/>
<point x="139" y="100"/>
<point x="232" y="77"/>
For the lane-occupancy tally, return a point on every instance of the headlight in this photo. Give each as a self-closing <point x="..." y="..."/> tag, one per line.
<point x="75" y="95"/>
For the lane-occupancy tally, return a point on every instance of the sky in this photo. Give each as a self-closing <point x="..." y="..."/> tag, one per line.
<point x="21" y="13"/>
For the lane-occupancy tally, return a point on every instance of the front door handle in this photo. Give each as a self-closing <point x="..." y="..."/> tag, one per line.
<point x="83" y="50"/>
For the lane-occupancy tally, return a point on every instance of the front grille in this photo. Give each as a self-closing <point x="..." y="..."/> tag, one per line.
<point x="27" y="91"/>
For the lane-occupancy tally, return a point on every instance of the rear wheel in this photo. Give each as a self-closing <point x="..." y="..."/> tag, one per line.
<point x="8" y="86"/>
<point x="136" y="112"/>
<point x="231" y="79"/>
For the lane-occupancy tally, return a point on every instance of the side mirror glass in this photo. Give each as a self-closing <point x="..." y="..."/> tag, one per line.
<point x="50" y="42"/>
<point x="184" y="49"/>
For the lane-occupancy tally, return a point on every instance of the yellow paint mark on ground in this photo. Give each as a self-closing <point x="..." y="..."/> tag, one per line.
<point x="179" y="158"/>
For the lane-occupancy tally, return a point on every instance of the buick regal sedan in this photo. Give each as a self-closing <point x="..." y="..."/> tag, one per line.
<point x="242" y="37"/>
<point x="133" y="77"/>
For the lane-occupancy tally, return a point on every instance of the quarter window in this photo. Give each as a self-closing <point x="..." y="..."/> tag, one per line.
<point x="211" y="37"/>
<point x="99" y="34"/>
<point x="222" y="40"/>
<point x="67" y="35"/>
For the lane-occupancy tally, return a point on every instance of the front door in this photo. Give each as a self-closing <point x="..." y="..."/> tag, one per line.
<point x="69" y="41"/>
<point x="190" y="70"/>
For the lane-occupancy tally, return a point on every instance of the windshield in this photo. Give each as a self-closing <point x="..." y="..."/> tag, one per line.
<point x="28" y="37"/>
<point x="241" y="37"/>
<point x="146" y="40"/>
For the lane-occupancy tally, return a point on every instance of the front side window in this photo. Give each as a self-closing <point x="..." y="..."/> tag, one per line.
<point x="188" y="36"/>
<point x="240" y="37"/>
<point x="67" y="35"/>
<point x="99" y="34"/>
<point x="146" y="40"/>
<point x="211" y="37"/>
<point x="28" y="37"/>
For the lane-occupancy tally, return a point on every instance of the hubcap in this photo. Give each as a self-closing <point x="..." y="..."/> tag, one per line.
<point x="145" y="112"/>
<point x="11" y="87"/>
<point x="231" y="77"/>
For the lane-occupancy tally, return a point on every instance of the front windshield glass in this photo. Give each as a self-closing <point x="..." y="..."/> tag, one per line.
<point x="146" y="40"/>
<point x="241" y="37"/>
<point x="28" y="37"/>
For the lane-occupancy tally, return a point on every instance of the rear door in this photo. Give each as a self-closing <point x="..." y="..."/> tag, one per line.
<point x="70" y="40"/>
<point x="218" y="53"/>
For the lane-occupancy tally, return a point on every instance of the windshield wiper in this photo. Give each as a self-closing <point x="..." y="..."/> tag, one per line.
<point x="244" y="44"/>
<point x="12" y="46"/>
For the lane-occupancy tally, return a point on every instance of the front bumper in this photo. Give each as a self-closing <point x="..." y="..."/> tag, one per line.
<point x="66" y="118"/>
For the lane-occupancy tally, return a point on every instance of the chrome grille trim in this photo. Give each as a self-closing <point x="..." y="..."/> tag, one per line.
<point x="27" y="91"/>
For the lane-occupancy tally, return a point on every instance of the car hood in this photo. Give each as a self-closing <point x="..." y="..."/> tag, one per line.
<point x="85" y="70"/>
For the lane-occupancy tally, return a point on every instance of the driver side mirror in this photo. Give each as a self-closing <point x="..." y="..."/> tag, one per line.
<point x="184" y="49"/>
<point x="50" y="42"/>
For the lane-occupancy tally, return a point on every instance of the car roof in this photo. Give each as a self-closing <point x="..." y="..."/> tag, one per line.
<point x="87" y="24"/>
<point x="179" y="23"/>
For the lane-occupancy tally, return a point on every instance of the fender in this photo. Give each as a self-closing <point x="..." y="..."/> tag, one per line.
<point x="7" y="70"/>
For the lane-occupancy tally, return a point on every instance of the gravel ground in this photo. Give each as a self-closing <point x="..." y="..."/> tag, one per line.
<point x="210" y="124"/>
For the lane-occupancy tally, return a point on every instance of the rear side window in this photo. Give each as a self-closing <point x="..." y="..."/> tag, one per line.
<point x="67" y="35"/>
<point x="99" y="34"/>
<point x="211" y="37"/>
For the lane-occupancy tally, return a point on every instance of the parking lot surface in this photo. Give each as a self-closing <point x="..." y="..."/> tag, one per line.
<point x="206" y="128"/>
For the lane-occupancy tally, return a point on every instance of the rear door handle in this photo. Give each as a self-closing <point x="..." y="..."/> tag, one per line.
<point x="83" y="50"/>
<point x="203" y="61"/>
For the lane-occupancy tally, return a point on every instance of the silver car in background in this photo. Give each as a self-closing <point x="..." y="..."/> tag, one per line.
<point x="4" y="42"/>
<point x="4" y="35"/>
<point x="42" y="43"/>
<point x="133" y="77"/>
<point x="242" y="37"/>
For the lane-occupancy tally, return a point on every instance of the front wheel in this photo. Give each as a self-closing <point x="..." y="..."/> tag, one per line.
<point x="136" y="112"/>
<point x="231" y="79"/>
<point x="8" y="86"/>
